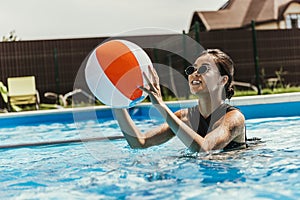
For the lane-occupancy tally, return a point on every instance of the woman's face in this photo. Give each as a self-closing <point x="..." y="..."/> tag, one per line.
<point x="207" y="82"/>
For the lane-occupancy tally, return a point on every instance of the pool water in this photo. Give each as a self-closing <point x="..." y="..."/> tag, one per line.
<point x="110" y="169"/>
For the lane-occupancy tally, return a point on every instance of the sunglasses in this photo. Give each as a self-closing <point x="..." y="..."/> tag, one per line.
<point x="201" y="70"/>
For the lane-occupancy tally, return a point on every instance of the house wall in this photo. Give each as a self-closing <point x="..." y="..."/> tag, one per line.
<point x="293" y="8"/>
<point x="268" y="26"/>
<point x="282" y="24"/>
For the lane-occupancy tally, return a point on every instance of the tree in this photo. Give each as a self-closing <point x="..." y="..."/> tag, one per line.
<point x="12" y="37"/>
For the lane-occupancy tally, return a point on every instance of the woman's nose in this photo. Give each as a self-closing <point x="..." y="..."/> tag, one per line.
<point x="196" y="74"/>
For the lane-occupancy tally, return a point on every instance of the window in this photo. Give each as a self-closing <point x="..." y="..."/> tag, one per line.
<point x="292" y="21"/>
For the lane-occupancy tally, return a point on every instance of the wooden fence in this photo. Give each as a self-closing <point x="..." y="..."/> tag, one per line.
<point x="277" y="50"/>
<point x="55" y="63"/>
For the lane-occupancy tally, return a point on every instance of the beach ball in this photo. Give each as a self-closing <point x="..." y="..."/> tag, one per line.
<point x="114" y="73"/>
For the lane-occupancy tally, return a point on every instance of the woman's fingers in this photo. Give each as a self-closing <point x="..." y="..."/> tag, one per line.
<point x="154" y="75"/>
<point x="155" y="78"/>
<point x="152" y="88"/>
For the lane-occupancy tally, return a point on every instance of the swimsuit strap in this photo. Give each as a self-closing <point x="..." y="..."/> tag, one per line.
<point x="204" y="125"/>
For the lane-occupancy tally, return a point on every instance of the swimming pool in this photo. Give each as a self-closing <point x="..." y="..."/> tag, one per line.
<point x="109" y="169"/>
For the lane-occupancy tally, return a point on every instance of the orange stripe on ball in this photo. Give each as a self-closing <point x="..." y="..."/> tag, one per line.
<point x="121" y="67"/>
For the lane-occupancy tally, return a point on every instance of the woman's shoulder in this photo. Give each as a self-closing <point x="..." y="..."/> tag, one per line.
<point x="233" y="109"/>
<point x="235" y="118"/>
<point x="182" y="113"/>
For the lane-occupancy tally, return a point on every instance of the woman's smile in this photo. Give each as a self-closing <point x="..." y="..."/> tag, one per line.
<point x="196" y="82"/>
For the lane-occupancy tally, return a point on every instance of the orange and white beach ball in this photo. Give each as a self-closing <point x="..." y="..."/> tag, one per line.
<point x="114" y="73"/>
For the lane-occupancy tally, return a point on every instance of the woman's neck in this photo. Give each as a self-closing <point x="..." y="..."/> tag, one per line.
<point x="207" y="105"/>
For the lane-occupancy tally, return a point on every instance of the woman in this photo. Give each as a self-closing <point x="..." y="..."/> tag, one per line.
<point x="210" y="125"/>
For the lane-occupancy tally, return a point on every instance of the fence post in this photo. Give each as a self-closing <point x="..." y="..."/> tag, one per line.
<point x="255" y="54"/>
<point x="197" y="30"/>
<point x="185" y="63"/>
<point x="56" y="70"/>
<point x="197" y="35"/>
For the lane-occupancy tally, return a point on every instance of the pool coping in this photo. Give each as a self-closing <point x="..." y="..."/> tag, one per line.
<point x="235" y="101"/>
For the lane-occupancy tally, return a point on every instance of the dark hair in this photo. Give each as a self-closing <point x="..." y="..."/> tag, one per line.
<point x="225" y="66"/>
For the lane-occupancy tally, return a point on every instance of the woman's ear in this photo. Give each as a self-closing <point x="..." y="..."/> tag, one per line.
<point x="224" y="79"/>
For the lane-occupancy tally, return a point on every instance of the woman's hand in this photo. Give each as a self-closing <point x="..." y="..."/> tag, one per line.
<point x="153" y="88"/>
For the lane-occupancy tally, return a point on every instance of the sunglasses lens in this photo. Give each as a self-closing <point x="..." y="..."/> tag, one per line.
<point x="189" y="70"/>
<point x="202" y="69"/>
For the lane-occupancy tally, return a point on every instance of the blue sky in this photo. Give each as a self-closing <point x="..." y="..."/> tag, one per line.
<point x="55" y="19"/>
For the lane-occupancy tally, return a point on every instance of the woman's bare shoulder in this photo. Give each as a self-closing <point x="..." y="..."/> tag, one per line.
<point x="235" y="118"/>
<point x="182" y="114"/>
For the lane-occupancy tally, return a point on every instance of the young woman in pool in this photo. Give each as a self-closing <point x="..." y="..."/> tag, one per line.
<point x="210" y="125"/>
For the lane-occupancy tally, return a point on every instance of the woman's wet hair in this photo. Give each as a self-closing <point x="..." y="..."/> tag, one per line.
<point x="225" y="66"/>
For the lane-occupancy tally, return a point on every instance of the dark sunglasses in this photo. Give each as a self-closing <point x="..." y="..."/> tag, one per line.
<point x="201" y="70"/>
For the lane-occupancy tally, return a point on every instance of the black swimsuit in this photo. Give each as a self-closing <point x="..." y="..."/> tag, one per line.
<point x="204" y="125"/>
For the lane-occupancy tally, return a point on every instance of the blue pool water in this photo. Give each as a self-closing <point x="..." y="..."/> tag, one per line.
<point x="110" y="169"/>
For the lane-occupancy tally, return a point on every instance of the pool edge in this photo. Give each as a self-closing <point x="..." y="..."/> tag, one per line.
<point x="265" y="103"/>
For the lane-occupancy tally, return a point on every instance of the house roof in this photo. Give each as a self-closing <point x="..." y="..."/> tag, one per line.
<point x="239" y="13"/>
<point x="283" y="7"/>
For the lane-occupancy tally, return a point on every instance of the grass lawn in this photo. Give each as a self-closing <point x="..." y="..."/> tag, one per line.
<point x="267" y="91"/>
<point x="238" y="93"/>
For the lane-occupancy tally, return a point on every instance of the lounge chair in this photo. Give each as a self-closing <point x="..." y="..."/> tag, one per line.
<point x="3" y="91"/>
<point x="243" y="84"/>
<point x="22" y="92"/>
<point x="63" y="99"/>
